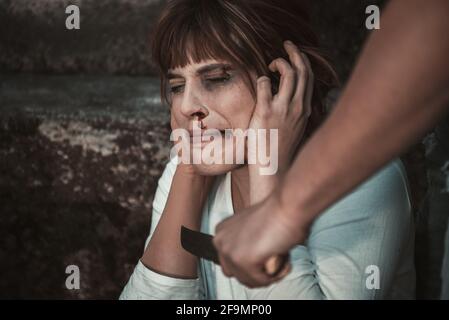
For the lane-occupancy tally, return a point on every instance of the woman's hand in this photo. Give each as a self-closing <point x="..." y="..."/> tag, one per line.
<point x="287" y="112"/>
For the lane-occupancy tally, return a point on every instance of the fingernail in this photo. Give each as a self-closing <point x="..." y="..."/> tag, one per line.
<point x="289" y="42"/>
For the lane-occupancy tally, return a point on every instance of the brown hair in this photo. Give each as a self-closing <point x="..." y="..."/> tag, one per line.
<point x="247" y="33"/>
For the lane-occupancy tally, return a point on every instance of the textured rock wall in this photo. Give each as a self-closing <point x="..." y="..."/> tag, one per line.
<point x="79" y="162"/>
<point x="113" y="38"/>
<point x="114" y="34"/>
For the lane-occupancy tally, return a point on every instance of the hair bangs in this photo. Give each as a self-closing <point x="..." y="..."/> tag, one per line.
<point x="184" y="40"/>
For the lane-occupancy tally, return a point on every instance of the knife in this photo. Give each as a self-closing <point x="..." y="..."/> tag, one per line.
<point x="201" y="245"/>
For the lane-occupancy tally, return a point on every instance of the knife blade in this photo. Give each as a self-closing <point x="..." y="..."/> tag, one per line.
<point x="201" y="245"/>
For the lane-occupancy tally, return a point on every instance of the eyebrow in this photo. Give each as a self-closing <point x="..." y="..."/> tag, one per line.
<point x="202" y="70"/>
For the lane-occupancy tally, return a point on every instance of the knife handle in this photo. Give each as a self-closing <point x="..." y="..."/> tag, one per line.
<point x="278" y="265"/>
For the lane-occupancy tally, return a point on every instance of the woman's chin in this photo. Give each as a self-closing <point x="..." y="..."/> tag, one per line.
<point x="214" y="169"/>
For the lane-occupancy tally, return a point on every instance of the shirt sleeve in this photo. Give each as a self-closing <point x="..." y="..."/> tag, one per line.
<point x="147" y="284"/>
<point x="355" y="247"/>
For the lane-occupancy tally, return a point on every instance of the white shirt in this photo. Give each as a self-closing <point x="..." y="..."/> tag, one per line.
<point x="360" y="248"/>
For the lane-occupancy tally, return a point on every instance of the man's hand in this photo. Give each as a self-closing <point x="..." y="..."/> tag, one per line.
<point x="248" y="239"/>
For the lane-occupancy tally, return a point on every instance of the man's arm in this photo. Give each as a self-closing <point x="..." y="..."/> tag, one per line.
<point x="398" y="90"/>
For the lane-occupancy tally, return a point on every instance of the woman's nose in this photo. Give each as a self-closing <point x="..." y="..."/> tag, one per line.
<point x="193" y="107"/>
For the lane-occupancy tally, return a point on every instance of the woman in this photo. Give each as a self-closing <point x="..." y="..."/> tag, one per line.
<point x="224" y="65"/>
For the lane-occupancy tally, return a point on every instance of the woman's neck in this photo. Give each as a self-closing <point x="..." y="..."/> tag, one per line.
<point x="240" y="188"/>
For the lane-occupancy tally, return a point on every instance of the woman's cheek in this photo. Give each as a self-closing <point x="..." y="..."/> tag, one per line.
<point x="237" y="112"/>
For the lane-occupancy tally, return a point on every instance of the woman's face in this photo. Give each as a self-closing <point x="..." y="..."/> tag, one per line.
<point x="214" y="94"/>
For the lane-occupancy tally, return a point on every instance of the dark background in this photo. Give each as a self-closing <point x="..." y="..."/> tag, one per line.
<point x="84" y="137"/>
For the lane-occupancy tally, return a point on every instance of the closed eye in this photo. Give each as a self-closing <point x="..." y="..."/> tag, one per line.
<point x="208" y="81"/>
<point x="219" y="79"/>
<point x="176" y="88"/>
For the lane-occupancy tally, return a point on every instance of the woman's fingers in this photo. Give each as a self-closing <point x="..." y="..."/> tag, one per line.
<point x="303" y="76"/>
<point x="287" y="82"/>
<point x="264" y="94"/>
<point x="310" y="83"/>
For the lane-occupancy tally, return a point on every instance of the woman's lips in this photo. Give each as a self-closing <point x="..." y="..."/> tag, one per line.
<point x="203" y="137"/>
<point x="207" y="133"/>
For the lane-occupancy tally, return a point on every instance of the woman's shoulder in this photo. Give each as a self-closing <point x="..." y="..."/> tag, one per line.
<point x="386" y="189"/>
<point x="383" y="199"/>
<point x="392" y="177"/>
<point x="387" y="185"/>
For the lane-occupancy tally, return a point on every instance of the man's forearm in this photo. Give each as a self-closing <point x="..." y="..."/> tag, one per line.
<point x="398" y="90"/>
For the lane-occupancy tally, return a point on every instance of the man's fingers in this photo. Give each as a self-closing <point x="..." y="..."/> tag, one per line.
<point x="234" y="265"/>
<point x="284" y="272"/>
<point x="248" y="274"/>
<point x="251" y="275"/>
<point x="288" y="79"/>
<point x="224" y="266"/>
<point x="222" y="252"/>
